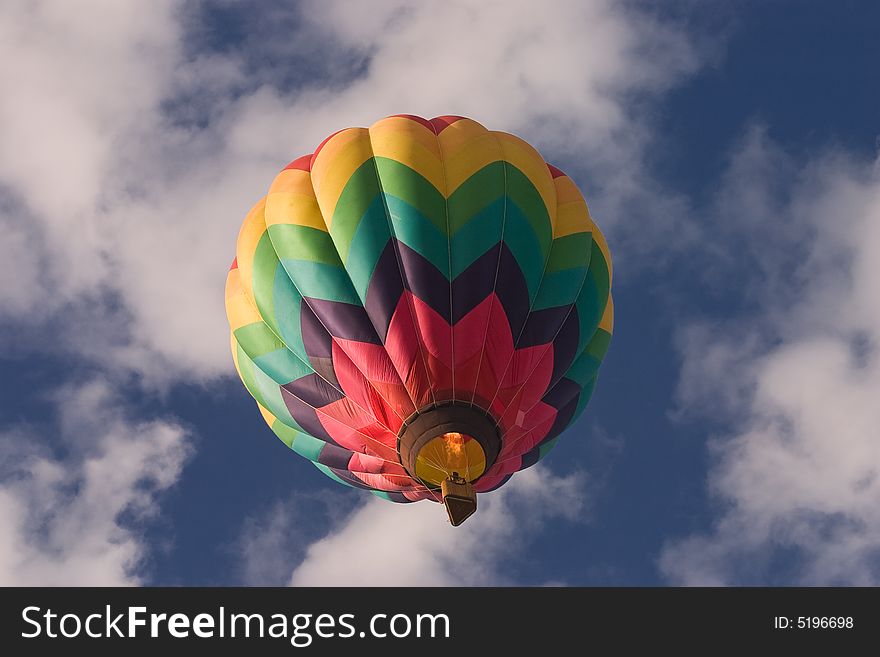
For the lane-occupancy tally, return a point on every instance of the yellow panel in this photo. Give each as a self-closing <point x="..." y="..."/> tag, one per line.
<point x="459" y="135"/>
<point x="267" y="415"/>
<point x="291" y="200"/>
<point x="572" y="217"/>
<point x="339" y="158"/>
<point x="290" y="208"/>
<point x="599" y="240"/>
<point x="248" y="237"/>
<point x="412" y="130"/>
<point x="297" y="181"/>
<point x="566" y="190"/>
<point x="397" y="127"/>
<point x="448" y="453"/>
<point x="525" y="158"/>
<point x="411" y="144"/>
<point x="240" y="308"/>
<point x="481" y="151"/>
<point x="607" y="322"/>
<point x="234" y="344"/>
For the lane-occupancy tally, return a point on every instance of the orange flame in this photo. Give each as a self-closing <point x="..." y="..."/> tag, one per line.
<point x="454" y="442"/>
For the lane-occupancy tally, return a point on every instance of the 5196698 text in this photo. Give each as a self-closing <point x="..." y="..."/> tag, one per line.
<point x="813" y="622"/>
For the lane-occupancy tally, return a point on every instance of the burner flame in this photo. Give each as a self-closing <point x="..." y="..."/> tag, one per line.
<point x="454" y="442"/>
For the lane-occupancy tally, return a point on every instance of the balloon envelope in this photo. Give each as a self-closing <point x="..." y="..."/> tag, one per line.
<point x="419" y="301"/>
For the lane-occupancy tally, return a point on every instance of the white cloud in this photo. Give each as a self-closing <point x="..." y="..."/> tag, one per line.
<point x="273" y="541"/>
<point x="123" y="199"/>
<point x="797" y="474"/>
<point x="383" y="544"/>
<point x="72" y="516"/>
<point x="268" y="546"/>
<point x="77" y="79"/>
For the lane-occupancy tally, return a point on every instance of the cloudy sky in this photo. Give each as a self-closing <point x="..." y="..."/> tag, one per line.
<point x="727" y="149"/>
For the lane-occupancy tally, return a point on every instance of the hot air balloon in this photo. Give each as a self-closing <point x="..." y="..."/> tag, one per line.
<point x="420" y="308"/>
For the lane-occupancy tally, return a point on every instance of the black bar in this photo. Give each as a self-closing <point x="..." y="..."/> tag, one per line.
<point x="496" y="619"/>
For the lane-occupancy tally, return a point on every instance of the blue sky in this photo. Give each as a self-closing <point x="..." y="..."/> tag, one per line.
<point x="728" y="151"/>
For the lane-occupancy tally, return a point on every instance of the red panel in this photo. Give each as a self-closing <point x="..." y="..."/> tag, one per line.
<point x="417" y="119"/>
<point x="528" y="375"/>
<point x="556" y="173"/>
<point x="540" y="414"/>
<point x="361" y="391"/>
<point x="488" y="481"/>
<point x="304" y="163"/>
<point x="415" y="496"/>
<point x="470" y="331"/>
<point x="440" y="123"/>
<point x="344" y="435"/>
<point x="365" y="463"/>
<point x="497" y="352"/>
<point x="382" y="482"/>
<point x="405" y="352"/>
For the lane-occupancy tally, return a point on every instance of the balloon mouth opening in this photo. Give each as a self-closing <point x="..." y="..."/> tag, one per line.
<point x="448" y="441"/>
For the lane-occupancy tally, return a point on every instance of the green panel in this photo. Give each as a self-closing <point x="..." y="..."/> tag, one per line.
<point x="593" y="298"/>
<point x="523" y="194"/>
<point x="327" y="471"/>
<point x="292" y="242"/>
<point x="570" y="251"/>
<point x="307" y="446"/>
<point x="265" y="264"/>
<point x="270" y="396"/>
<point x="321" y="281"/>
<point x="520" y="239"/>
<point x="285" y="433"/>
<point x="282" y="366"/>
<point x="246" y="372"/>
<point x="584" y="399"/>
<point x="586" y="365"/>
<point x="477" y="236"/>
<point x="355" y="201"/>
<point x="409" y="186"/>
<point x="587" y="368"/>
<point x="559" y="288"/>
<point x="370" y="239"/>
<point x="257" y="339"/>
<point x="598" y="346"/>
<point x="413" y="229"/>
<point x="583" y="369"/>
<point x="270" y="354"/>
<point x="589" y="311"/>
<point x="288" y="303"/>
<point x="599" y="269"/>
<point x="264" y="389"/>
<point x="565" y="271"/>
<point x="480" y="190"/>
<point x="544" y="449"/>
